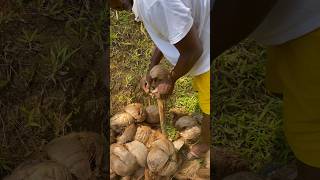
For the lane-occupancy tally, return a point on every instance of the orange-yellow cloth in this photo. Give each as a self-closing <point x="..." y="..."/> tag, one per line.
<point x="201" y="83"/>
<point x="293" y="69"/>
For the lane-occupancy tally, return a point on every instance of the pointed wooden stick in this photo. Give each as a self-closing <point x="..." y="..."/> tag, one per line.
<point x="161" y="114"/>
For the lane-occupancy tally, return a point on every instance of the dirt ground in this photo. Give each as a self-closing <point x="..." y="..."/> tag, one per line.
<point x="51" y="73"/>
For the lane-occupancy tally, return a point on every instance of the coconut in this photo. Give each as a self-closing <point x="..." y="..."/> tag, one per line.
<point x="203" y="173"/>
<point x="159" y="72"/>
<point x="155" y="135"/>
<point x="192" y="134"/>
<point x="70" y="151"/>
<point x="120" y="121"/>
<point x="139" y="174"/>
<point x="139" y="150"/>
<point x="36" y="170"/>
<point x="126" y="178"/>
<point x="113" y="175"/>
<point x="122" y="161"/>
<point x="188" y="169"/>
<point x="143" y="133"/>
<point x="152" y="114"/>
<point x="137" y="111"/>
<point x="178" y="143"/>
<point x="185" y="122"/>
<point x="128" y="134"/>
<point x="162" y="158"/>
<point x="178" y="113"/>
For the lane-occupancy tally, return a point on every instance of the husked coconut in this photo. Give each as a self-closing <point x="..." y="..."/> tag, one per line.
<point x="178" y="113"/>
<point x="159" y="72"/>
<point x="185" y="122"/>
<point x="36" y="170"/>
<point x="192" y="134"/>
<point x="128" y="134"/>
<point x="155" y="135"/>
<point x="139" y="150"/>
<point x="203" y="173"/>
<point x="74" y="151"/>
<point x="113" y="175"/>
<point x="126" y="178"/>
<point x="143" y="133"/>
<point x="152" y="114"/>
<point x="162" y="159"/>
<point x="188" y="169"/>
<point x="120" y="121"/>
<point x="137" y="111"/>
<point x="139" y="174"/>
<point x="122" y="161"/>
<point x="178" y="143"/>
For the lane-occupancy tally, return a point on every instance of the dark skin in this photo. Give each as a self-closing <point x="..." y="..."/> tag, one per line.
<point x="245" y="16"/>
<point x="190" y="50"/>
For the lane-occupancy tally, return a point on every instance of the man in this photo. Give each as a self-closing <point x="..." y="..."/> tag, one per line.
<point x="290" y="30"/>
<point x="180" y="30"/>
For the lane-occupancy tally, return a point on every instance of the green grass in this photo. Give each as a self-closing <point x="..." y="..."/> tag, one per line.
<point x="248" y="119"/>
<point x="130" y="53"/>
<point x="51" y="73"/>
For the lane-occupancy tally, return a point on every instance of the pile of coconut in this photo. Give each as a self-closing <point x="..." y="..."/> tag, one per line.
<point x="139" y="150"/>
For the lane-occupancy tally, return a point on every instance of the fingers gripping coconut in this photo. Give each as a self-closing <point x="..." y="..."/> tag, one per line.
<point x="158" y="83"/>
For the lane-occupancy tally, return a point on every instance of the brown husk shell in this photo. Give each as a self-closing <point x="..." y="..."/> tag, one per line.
<point x="128" y="134"/>
<point x="137" y="111"/>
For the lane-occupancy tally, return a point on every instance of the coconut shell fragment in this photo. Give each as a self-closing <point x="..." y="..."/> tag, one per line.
<point x="137" y="111"/>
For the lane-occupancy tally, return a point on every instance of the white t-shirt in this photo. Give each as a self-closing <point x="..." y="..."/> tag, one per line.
<point x="288" y="20"/>
<point x="168" y="22"/>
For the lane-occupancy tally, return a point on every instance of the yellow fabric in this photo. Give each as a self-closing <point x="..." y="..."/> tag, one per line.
<point x="201" y="83"/>
<point x="293" y="69"/>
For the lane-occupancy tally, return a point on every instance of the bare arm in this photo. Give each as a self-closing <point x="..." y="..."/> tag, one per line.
<point x="234" y="20"/>
<point x="190" y="50"/>
<point x="156" y="57"/>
